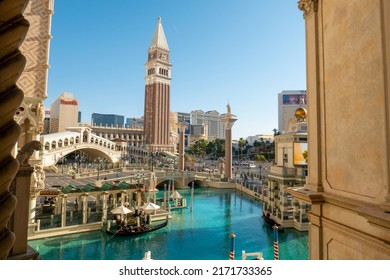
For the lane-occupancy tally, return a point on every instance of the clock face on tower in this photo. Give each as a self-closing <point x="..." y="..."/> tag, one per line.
<point x="163" y="56"/>
<point x="151" y="56"/>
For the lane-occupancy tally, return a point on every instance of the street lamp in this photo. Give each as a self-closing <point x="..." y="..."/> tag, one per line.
<point x="98" y="168"/>
<point x="79" y="159"/>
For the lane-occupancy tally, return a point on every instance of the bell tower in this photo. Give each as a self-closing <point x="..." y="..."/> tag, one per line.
<point x="157" y="93"/>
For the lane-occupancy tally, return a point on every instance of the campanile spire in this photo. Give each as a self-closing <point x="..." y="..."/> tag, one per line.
<point x="157" y="93"/>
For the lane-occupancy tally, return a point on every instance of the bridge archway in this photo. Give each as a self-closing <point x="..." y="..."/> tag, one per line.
<point x="88" y="155"/>
<point x="58" y="146"/>
<point x="197" y="183"/>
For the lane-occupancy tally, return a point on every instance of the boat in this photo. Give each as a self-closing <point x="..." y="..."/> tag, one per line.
<point x="131" y="230"/>
<point x="271" y="223"/>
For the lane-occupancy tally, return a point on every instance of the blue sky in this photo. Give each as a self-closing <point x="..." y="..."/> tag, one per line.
<point x="239" y="51"/>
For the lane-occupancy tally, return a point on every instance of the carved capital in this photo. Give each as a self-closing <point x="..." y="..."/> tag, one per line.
<point x="308" y="7"/>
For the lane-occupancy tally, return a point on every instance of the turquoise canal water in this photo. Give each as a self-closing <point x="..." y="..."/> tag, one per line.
<point x="200" y="234"/>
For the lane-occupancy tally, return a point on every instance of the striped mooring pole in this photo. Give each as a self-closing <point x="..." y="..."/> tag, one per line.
<point x="276" y="243"/>
<point x="165" y="194"/>
<point x="232" y="236"/>
<point x="192" y="196"/>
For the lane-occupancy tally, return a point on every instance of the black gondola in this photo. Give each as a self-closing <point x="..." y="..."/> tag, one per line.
<point x="130" y="230"/>
<point x="270" y="222"/>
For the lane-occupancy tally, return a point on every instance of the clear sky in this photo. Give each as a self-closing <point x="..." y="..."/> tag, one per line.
<point x="239" y="51"/>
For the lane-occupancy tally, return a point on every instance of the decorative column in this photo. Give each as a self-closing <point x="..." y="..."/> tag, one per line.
<point x="13" y="28"/>
<point x="104" y="216"/>
<point x="228" y="120"/>
<point x="20" y="218"/>
<point x="37" y="184"/>
<point x="182" y="126"/>
<point x="123" y="195"/>
<point x="62" y="202"/>
<point x="84" y="202"/>
<point x="310" y="8"/>
<point x="21" y="211"/>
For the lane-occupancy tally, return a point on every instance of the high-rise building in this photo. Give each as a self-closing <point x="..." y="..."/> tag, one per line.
<point x="46" y="122"/>
<point x="187" y="118"/>
<point x="157" y="93"/>
<point x="288" y="102"/>
<point x="135" y="122"/>
<point x="198" y="132"/>
<point x="107" y="120"/>
<point x="211" y="119"/>
<point x="64" y="112"/>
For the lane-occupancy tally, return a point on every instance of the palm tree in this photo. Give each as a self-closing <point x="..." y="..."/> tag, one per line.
<point x="241" y="143"/>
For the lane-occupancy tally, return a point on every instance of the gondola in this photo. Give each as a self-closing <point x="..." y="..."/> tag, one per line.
<point x="130" y="230"/>
<point x="270" y="222"/>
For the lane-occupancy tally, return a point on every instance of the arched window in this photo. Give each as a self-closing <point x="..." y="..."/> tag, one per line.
<point x="47" y="146"/>
<point x="53" y="144"/>
<point x="66" y="142"/>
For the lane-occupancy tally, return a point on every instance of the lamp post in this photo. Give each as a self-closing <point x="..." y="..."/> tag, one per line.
<point x="98" y="168"/>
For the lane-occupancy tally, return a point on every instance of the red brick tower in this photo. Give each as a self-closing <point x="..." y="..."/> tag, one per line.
<point x="157" y="93"/>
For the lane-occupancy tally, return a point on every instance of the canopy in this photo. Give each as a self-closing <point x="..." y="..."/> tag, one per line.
<point x="121" y="210"/>
<point x="176" y="195"/>
<point x="68" y="189"/>
<point x="89" y="187"/>
<point x="150" y="206"/>
<point x="124" y="185"/>
<point x="168" y="154"/>
<point x="106" y="186"/>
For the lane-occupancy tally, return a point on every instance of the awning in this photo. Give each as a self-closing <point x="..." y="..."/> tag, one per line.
<point x="169" y="154"/>
<point x="69" y="188"/>
<point x="106" y="186"/>
<point x="89" y="187"/>
<point x="125" y="186"/>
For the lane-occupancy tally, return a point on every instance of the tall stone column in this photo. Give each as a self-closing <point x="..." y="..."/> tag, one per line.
<point x="123" y="195"/>
<point x="85" y="204"/>
<point x="13" y="28"/>
<point x="19" y="220"/>
<point x="182" y="126"/>
<point x="104" y="216"/>
<point x="228" y="120"/>
<point x="62" y="202"/>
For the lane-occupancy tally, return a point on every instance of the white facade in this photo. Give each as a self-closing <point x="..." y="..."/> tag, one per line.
<point x="288" y="102"/>
<point x="64" y="113"/>
<point x="212" y="120"/>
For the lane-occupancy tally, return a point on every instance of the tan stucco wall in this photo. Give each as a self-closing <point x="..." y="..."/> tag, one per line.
<point x="347" y="52"/>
